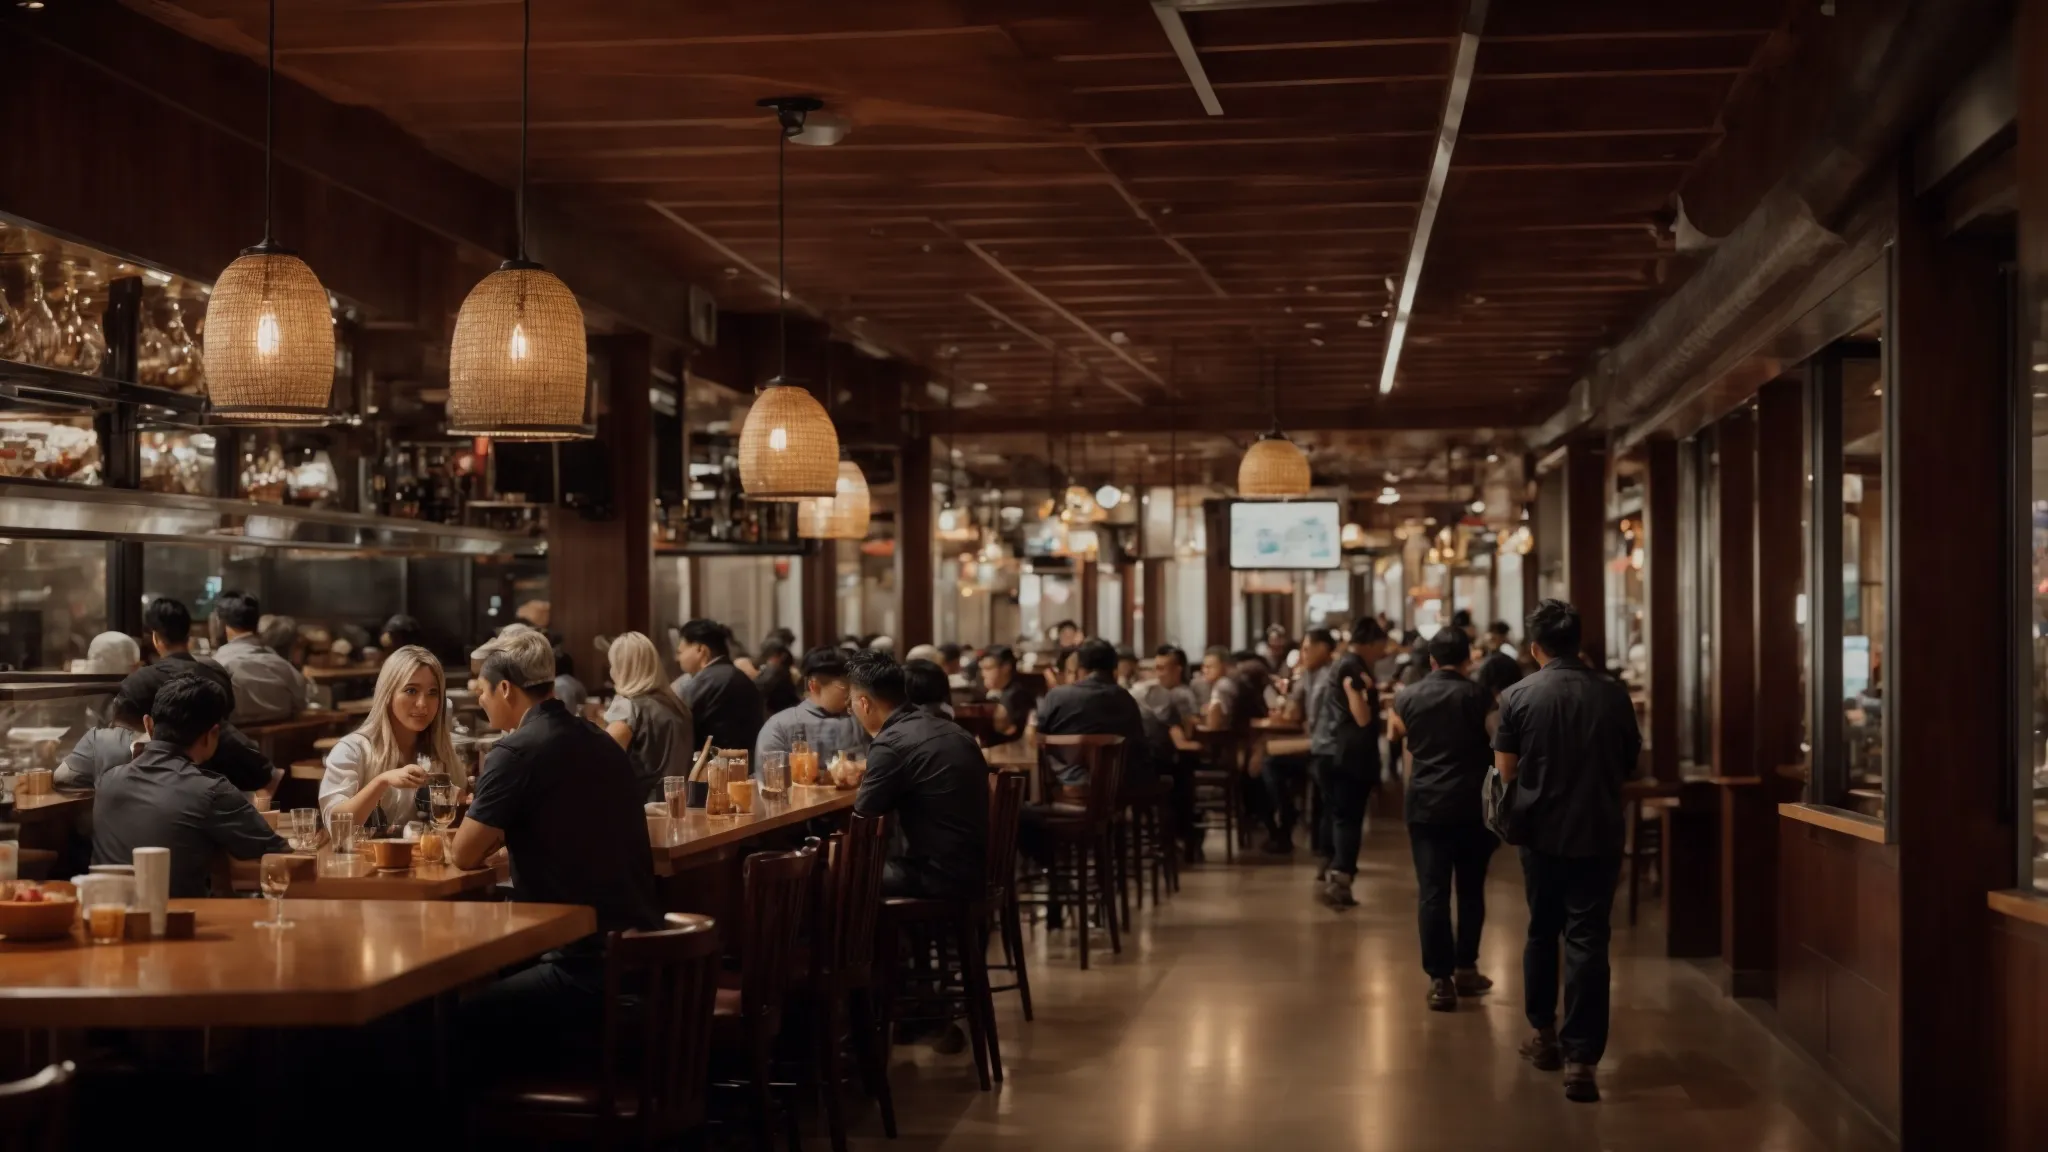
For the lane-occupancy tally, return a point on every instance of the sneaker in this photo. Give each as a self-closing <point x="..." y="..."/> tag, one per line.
<point x="950" y="1042"/>
<point x="1443" y="995"/>
<point x="1541" y="1050"/>
<point x="1322" y="869"/>
<point x="1579" y="1085"/>
<point x="1336" y="892"/>
<point x="1471" y="983"/>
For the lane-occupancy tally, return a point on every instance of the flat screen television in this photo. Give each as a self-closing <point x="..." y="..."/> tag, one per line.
<point x="1293" y="534"/>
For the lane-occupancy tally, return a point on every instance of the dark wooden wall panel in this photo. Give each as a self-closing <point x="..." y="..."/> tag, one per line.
<point x="1661" y="574"/>
<point x="1732" y="731"/>
<point x="915" y="578"/>
<point x="601" y="572"/>
<point x="1585" y="533"/>
<point x="1217" y="585"/>
<point x="2019" y="984"/>
<point x="1838" y="949"/>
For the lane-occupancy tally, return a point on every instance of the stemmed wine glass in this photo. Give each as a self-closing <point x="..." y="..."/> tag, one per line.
<point x="277" y="877"/>
<point x="441" y="807"/>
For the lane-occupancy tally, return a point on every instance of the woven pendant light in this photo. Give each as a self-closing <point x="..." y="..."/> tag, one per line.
<point x="842" y="516"/>
<point x="519" y="369"/>
<point x="1274" y="467"/>
<point x="789" y="450"/>
<point x="269" y="348"/>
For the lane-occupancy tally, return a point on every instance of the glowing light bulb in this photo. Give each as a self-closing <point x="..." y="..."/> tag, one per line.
<point x="518" y="348"/>
<point x="778" y="439"/>
<point x="268" y="336"/>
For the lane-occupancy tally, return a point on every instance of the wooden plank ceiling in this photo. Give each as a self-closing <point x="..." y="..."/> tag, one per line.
<point x="1032" y="181"/>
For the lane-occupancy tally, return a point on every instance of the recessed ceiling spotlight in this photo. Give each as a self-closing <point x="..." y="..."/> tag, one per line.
<point x="927" y="247"/>
<point x="732" y="273"/>
<point x="1493" y="457"/>
<point x="1313" y="325"/>
<point x="1365" y="321"/>
<point x="1003" y="347"/>
<point x="1119" y="338"/>
<point x="31" y="5"/>
<point x="1310" y="288"/>
<point x="1316" y="340"/>
<point x="979" y="386"/>
<point x="860" y="319"/>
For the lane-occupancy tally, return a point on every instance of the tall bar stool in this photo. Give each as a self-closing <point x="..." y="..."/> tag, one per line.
<point x="749" y="1008"/>
<point x="1081" y="831"/>
<point x="837" y="985"/>
<point x="1219" y="789"/>
<point x="35" y="1113"/>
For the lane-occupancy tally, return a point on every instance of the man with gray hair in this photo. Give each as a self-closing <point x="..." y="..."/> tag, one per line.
<point x="559" y="795"/>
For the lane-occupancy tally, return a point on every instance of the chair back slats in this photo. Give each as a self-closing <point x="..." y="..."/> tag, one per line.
<point x="853" y="892"/>
<point x="672" y="973"/>
<point x="35" y="1112"/>
<point x="777" y="887"/>
<point x="1103" y="757"/>
<point x="1005" y="802"/>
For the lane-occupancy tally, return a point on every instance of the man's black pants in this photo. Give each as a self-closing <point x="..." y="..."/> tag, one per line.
<point x="1448" y="858"/>
<point x="1570" y="897"/>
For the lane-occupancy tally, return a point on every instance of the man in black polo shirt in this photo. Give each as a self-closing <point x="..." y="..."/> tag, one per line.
<point x="163" y="798"/>
<point x="1443" y="719"/>
<point x="724" y="702"/>
<point x="1345" y="737"/>
<point x="559" y="795"/>
<point x="928" y="771"/>
<point x="1092" y="705"/>
<point x="1012" y="695"/>
<point x="1567" y="741"/>
<point x="169" y="624"/>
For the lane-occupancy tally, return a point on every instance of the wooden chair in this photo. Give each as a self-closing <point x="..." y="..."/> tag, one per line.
<point x="839" y="981"/>
<point x="1219" y="789"/>
<point x="1084" y="859"/>
<point x="979" y="720"/>
<point x="1146" y="846"/>
<point x="748" y="1017"/>
<point x="959" y="974"/>
<point x="35" y="1113"/>
<point x="1006" y="801"/>
<point x="649" y="1084"/>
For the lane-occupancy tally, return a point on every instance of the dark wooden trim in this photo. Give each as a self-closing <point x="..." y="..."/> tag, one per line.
<point x="1837" y="820"/>
<point x="1154" y="579"/>
<point x="1585" y="530"/>
<point x="819" y="594"/>
<point x="1218" y="582"/>
<point x="1660" y="568"/>
<point x="915" y="577"/>
<point x="1732" y="725"/>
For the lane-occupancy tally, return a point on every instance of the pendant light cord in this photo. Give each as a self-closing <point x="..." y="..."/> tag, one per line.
<point x="525" y="97"/>
<point x="269" y="121"/>
<point x="781" y="254"/>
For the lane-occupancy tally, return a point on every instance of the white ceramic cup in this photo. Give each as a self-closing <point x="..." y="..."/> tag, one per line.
<point x="153" y="885"/>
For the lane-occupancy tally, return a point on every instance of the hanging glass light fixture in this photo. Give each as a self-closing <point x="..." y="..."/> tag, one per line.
<point x="1274" y="467"/>
<point x="519" y="367"/>
<point x="269" y="346"/>
<point x="844" y="514"/>
<point x="789" y="450"/>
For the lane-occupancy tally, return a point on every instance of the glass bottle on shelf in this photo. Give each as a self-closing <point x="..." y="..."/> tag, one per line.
<point x="152" y="347"/>
<point x="89" y="305"/>
<point x="71" y="352"/>
<point x="38" y="340"/>
<point x="182" y="370"/>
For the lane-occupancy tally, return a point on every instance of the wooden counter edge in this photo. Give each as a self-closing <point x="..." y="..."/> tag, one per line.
<point x="1838" y="820"/>
<point x="2020" y="904"/>
<point x="310" y="1008"/>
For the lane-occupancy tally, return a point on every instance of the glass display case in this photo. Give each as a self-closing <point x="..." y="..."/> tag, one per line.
<point x="42" y="715"/>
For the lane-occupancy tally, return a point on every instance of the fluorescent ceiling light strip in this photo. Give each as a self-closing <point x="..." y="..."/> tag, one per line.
<point x="1190" y="60"/>
<point x="1433" y="195"/>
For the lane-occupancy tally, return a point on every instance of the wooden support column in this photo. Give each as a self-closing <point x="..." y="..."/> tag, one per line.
<point x="1947" y="443"/>
<point x="1087" y="585"/>
<point x="1662" y="580"/>
<point x="820" y="595"/>
<point x="1153" y="576"/>
<point x="1585" y="541"/>
<point x="1732" y="730"/>
<point x="1127" y="603"/>
<point x="1216" y="588"/>
<point x="1749" y="803"/>
<point x="601" y="571"/>
<point x="915" y="579"/>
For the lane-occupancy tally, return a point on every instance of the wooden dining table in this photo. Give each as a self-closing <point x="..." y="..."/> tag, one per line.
<point x="677" y="843"/>
<point x="342" y="962"/>
<point x="44" y="807"/>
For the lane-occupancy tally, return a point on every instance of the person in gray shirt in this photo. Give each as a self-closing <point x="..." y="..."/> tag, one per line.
<point x="164" y="799"/>
<point x="267" y="687"/>
<point x="823" y="720"/>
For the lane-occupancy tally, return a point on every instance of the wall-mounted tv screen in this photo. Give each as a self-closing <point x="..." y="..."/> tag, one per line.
<point x="1291" y="534"/>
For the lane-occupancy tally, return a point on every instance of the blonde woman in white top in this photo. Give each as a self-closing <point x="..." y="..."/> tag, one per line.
<point x="372" y="772"/>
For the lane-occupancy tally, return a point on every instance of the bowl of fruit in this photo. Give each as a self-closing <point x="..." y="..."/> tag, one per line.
<point x="31" y="910"/>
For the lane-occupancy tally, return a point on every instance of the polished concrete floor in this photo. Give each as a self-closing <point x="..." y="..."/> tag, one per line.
<point x="1245" y="1016"/>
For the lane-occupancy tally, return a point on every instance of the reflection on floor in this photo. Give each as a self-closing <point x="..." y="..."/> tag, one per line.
<point x="1244" y="1016"/>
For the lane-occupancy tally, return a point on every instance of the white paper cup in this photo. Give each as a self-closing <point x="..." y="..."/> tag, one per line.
<point x="153" y="885"/>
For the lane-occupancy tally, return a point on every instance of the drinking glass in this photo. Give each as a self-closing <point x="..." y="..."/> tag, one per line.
<point x="774" y="773"/>
<point x="803" y="763"/>
<point x="674" y="793"/>
<point x="38" y="336"/>
<point x="441" y="805"/>
<point x="277" y="877"/>
<point x="106" y="921"/>
<point x="341" y="828"/>
<point x="305" y="825"/>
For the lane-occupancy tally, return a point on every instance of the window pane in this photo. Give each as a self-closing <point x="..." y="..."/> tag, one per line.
<point x="1863" y="567"/>
<point x="53" y="601"/>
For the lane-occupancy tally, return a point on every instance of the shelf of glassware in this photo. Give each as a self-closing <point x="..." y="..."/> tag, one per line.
<point x="34" y="382"/>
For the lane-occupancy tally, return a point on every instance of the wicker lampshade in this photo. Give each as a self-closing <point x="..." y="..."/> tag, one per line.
<point x="789" y="449"/>
<point x="843" y="516"/>
<point x="270" y="341"/>
<point x="518" y="369"/>
<point x="1273" y="467"/>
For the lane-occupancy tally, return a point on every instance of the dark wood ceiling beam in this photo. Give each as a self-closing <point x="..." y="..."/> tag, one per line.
<point x="1246" y="421"/>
